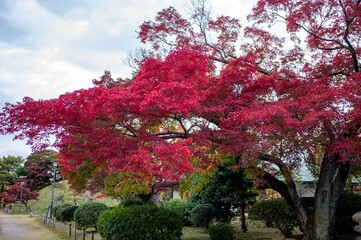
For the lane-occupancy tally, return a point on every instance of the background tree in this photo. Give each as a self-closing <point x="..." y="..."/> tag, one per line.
<point x="38" y="175"/>
<point x="14" y="193"/>
<point x="124" y="186"/>
<point x="7" y="199"/>
<point x="8" y="167"/>
<point x="21" y="171"/>
<point x="41" y="155"/>
<point x="228" y="189"/>
<point x="270" y="104"/>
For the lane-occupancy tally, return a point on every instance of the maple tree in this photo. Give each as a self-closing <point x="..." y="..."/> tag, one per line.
<point x="38" y="175"/>
<point x="14" y="193"/>
<point x="7" y="199"/>
<point x="273" y="103"/>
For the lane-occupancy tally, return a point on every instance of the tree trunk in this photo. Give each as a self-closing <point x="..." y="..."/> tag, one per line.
<point x="317" y="224"/>
<point x="243" y="219"/>
<point x="331" y="182"/>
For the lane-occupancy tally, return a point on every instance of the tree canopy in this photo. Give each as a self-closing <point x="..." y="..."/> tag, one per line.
<point x="272" y="103"/>
<point x="14" y="194"/>
<point x="8" y="167"/>
<point x="41" y="155"/>
<point x="38" y="175"/>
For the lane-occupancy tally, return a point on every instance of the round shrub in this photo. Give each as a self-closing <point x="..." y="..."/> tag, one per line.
<point x="348" y="204"/>
<point x="276" y="213"/>
<point x="140" y="222"/>
<point x="178" y="206"/>
<point x="202" y="215"/>
<point x="86" y="215"/>
<point x="132" y="201"/>
<point x="221" y="231"/>
<point x="66" y="214"/>
<point x="58" y="207"/>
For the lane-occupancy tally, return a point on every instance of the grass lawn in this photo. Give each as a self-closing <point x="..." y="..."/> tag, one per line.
<point x="256" y="231"/>
<point x="192" y="233"/>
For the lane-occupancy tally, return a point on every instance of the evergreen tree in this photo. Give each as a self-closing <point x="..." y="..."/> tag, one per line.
<point x="227" y="189"/>
<point x="8" y="166"/>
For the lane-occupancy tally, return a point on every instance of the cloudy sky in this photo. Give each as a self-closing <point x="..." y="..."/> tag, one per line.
<point x="49" y="47"/>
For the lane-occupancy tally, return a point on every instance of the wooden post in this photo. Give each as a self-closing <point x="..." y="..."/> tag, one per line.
<point x="65" y="228"/>
<point x="75" y="232"/>
<point x="92" y="236"/>
<point x="69" y="232"/>
<point x="83" y="234"/>
<point x="60" y="227"/>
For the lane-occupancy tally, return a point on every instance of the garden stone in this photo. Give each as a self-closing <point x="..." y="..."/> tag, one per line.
<point x="357" y="218"/>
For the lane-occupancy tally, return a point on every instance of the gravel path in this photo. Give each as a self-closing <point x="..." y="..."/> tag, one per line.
<point x="23" y="227"/>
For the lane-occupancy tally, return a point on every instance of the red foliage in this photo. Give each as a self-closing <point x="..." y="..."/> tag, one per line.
<point x="38" y="175"/>
<point x="14" y="193"/>
<point x="7" y="199"/>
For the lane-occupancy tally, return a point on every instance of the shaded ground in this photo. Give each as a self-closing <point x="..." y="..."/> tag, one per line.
<point x="23" y="227"/>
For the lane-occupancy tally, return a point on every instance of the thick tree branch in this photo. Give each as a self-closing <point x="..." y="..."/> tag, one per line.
<point x="293" y="198"/>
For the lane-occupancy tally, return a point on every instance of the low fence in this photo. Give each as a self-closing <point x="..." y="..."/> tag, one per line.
<point x="67" y="229"/>
<point x="8" y="210"/>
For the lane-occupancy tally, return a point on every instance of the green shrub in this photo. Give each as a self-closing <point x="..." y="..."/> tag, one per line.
<point x="348" y="204"/>
<point x="202" y="215"/>
<point x="276" y="213"/>
<point x="178" y="206"/>
<point x="58" y="207"/>
<point x="86" y="215"/>
<point x="221" y="231"/>
<point x="132" y="201"/>
<point x="140" y="222"/>
<point x="66" y="214"/>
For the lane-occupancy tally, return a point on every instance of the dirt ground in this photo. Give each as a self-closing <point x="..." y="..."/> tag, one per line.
<point x="23" y="227"/>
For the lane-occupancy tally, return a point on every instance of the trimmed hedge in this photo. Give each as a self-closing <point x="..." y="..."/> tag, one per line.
<point x="86" y="216"/>
<point x="58" y="207"/>
<point x="202" y="215"/>
<point x="140" y="222"/>
<point x="66" y="214"/>
<point x="178" y="206"/>
<point x="221" y="231"/>
<point x="276" y="213"/>
<point x="132" y="201"/>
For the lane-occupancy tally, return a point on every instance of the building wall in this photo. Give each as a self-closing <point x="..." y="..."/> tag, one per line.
<point x="176" y="192"/>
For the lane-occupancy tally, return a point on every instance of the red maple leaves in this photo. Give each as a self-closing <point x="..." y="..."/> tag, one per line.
<point x="283" y="101"/>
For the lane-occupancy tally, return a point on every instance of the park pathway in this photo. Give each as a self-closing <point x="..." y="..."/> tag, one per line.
<point x="23" y="227"/>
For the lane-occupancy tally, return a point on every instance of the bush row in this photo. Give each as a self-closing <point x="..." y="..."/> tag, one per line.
<point x="135" y="220"/>
<point x="140" y="222"/>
